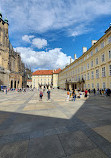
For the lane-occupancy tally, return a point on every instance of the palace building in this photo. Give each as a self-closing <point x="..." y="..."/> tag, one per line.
<point x="12" y="69"/>
<point x="45" y="78"/>
<point x="92" y="69"/>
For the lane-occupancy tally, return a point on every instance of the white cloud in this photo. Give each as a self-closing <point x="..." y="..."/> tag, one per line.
<point x="39" y="43"/>
<point x="45" y="15"/>
<point x="52" y="59"/>
<point x="27" y="38"/>
<point x="78" y="30"/>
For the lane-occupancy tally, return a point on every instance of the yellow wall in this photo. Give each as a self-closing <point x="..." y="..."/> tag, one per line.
<point x="74" y="71"/>
<point x="55" y="80"/>
<point x="41" y="79"/>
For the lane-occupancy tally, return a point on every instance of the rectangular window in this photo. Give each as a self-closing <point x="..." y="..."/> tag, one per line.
<point x="87" y="56"/>
<point x="103" y="58"/>
<point x="84" y="76"/>
<point x="92" y="63"/>
<point x="103" y="72"/>
<point x="96" y="50"/>
<point x="78" y="70"/>
<point x="81" y="69"/>
<point x="109" y="70"/>
<point x="84" y="85"/>
<point x="88" y="85"/>
<point x="88" y="77"/>
<point x="104" y="85"/>
<point x="97" y="73"/>
<point x="92" y="75"/>
<point x="97" y="85"/>
<point x="84" y="67"/>
<point x="109" y="39"/>
<point x="87" y="65"/>
<point x="91" y="53"/>
<point x="109" y="53"/>
<point x="102" y="45"/>
<point x="79" y="78"/>
<point x="96" y="61"/>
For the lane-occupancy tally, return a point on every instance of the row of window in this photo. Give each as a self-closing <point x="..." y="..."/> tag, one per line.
<point x="43" y="76"/>
<point x="92" y="74"/>
<point x="43" y="80"/>
<point x="88" y="66"/>
<point x="86" y="57"/>
<point x="75" y="72"/>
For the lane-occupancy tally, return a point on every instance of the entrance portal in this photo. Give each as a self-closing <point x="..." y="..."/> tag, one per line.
<point x="15" y="85"/>
<point x="11" y="83"/>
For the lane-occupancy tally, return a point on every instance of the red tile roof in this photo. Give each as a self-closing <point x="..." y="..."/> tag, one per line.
<point x="43" y="72"/>
<point x="46" y="72"/>
<point x="57" y="71"/>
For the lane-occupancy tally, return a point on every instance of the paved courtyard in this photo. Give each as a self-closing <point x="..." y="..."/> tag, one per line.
<point x="30" y="128"/>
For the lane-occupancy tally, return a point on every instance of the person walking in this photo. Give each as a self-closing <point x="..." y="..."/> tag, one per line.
<point x="74" y="95"/>
<point x="86" y="93"/>
<point x="68" y="95"/>
<point x="6" y="90"/>
<point x="48" y="94"/>
<point x="94" y="91"/>
<point x="100" y="92"/>
<point x="89" y="91"/>
<point x="41" y="95"/>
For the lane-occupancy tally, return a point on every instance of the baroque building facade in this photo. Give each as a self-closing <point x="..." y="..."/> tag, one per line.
<point x="92" y="69"/>
<point x="12" y="69"/>
<point x="45" y="78"/>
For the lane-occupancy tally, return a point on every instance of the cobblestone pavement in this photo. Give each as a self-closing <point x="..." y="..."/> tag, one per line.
<point x="30" y="128"/>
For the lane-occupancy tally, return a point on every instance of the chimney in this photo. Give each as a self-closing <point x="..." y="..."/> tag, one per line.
<point x="84" y="49"/>
<point x="75" y="57"/>
<point x="70" y="60"/>
<point x="93" y="42"/>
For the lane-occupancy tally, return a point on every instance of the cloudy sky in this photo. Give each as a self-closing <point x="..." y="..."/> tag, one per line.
<point x="47" y="32"/>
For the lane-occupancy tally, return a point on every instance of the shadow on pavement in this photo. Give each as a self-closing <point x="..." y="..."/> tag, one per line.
<point x="33" y="136"/>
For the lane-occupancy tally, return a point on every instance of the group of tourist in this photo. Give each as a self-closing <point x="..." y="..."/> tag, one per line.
<point x="78" y="94"/>
<point x="104" y="92"/>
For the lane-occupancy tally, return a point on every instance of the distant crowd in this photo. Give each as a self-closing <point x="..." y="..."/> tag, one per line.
<point x="77" y="93"/>
<point x="16" y="90"/>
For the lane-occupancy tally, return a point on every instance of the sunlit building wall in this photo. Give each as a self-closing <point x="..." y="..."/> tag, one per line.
<point x="92" y="69"/>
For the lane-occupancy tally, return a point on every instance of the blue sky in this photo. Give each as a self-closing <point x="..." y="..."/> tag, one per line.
<point x="47" y="33"/>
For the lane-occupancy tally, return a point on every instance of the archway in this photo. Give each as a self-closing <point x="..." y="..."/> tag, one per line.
<point x="15" y="85"/>
<point x="11" y="83"/>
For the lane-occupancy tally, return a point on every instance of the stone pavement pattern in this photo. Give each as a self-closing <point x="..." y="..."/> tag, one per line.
<point x="30" y="128"/>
